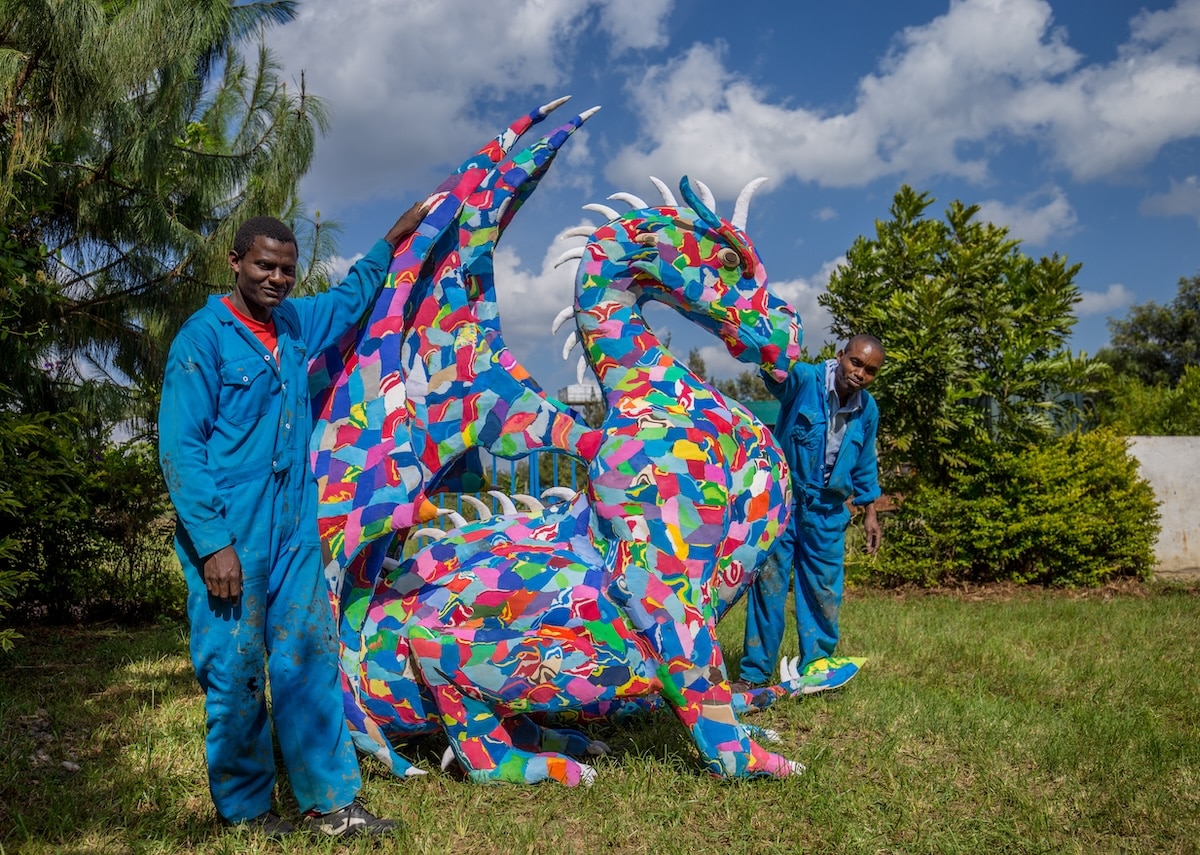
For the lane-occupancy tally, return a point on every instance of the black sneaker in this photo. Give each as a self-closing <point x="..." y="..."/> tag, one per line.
<point x="269" y="824"/>
<point x="350" y="821"/>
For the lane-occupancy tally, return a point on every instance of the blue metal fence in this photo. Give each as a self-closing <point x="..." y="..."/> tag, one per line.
<point x="529" y="476"/>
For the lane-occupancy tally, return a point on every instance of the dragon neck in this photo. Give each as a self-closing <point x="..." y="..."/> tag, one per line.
<point x="616" y="338"/>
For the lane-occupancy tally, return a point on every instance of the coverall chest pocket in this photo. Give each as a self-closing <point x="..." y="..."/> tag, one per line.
<point x="808" y="436"/>
<point x="245" y="392"/>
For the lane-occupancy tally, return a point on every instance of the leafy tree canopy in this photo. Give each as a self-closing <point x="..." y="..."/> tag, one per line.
<point x="974" y="330"/>
<point x="134" y="137"/>
<point x="1155" y="344"/>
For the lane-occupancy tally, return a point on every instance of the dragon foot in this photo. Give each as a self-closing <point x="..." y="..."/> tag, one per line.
<point x="732" y="752"/>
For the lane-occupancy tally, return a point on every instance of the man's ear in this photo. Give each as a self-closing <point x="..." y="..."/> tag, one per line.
<point x="234" y="261"/>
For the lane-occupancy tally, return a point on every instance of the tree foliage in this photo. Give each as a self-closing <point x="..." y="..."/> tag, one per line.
<point x="977" y="405"/>
<point x="135" y="137"/>
<point x="1137" y="409"/>
<point x="974" y="331"/>
<point x="1156" y="344"/>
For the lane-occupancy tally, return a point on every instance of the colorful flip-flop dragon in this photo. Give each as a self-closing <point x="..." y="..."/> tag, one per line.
<point x="593" y="606"/>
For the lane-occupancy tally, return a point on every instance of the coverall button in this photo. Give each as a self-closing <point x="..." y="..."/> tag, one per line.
<point x="266" y="357"/>
<point x="245" y="378"/>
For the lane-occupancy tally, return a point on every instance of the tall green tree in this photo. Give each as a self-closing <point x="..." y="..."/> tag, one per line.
<point x="976" y="400"/>
<point x="135" y="135"/>
<point x="975" y="333"/>
<point x="1156" y="344"/>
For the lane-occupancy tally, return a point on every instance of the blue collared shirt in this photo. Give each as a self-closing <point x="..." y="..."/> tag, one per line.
<point x="839" y="416"/>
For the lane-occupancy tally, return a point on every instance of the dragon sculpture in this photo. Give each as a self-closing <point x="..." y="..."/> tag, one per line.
<point x="599" y="604"/>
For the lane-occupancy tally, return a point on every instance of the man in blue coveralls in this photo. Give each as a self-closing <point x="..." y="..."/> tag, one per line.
<point x="827" y="426"/>
<point x="234" y="430"/>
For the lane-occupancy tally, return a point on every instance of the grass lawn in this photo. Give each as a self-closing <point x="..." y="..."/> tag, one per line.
<point x="985" y="721"/>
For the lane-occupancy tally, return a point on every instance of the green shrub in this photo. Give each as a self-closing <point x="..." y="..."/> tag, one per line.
<point x="39" y="504"/>
<point x="1071" y="512"/>
<point x="98" y="541"/>
<point x="1137" y="409"/>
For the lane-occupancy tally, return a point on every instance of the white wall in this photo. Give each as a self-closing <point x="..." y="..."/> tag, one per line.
<point x="1172" y="466"/>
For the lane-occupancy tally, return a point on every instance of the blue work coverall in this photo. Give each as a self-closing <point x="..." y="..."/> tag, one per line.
<point x="234" y="431"/>
<point x="813" y="547"/>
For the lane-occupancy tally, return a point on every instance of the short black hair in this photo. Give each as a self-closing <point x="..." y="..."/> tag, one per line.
<point x="268" y="227"/>
<point x="865" y="338"/>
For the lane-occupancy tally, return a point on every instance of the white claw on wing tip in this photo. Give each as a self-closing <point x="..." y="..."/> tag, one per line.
<point x="482" y="511"/>
<point x="588" y="113"/>
<point x="569" y="344"/>
<point x="506" y="504"/>
<point x="603" y="210"/>
<point x="580" y="368"/>
<point x="447" y="758"/>
<point x="561" y="318"/>
<point x="564" y="493"/>
<point x="667" y="196"/>
<point x="413" y="771"/>
<point x="455" y="517"/>
<point x="797" y="767"/>
<point x="587" y="775"/>
<point x="531" y="504"/>
<point x="573" y="254"/>
<point x="597" y="748"/>
<point x="629" y="199"/>
<point x="435" y="533"/>
<point x="557" y="102"/>
<point x="769" y="735"/>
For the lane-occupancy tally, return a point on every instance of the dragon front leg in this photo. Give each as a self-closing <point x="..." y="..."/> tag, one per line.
<point x="692" y="671"/>
<point x="702" y="700"/>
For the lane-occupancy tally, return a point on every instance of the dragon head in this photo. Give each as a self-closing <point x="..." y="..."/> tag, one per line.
<point x="707" y="269"/>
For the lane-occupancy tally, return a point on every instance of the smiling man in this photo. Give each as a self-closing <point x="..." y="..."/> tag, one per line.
<point x="827" y="427"/>
<point x="234" y="429"/>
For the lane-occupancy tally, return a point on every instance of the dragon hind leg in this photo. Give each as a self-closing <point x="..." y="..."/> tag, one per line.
<point x="480" y="741"/>
<point x="528" y="735"/>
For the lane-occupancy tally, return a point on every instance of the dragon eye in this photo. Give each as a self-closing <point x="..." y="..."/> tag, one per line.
<point x="729" y="258"/>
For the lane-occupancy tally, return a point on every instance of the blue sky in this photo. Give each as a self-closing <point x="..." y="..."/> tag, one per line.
<point x="1074" y="122"/>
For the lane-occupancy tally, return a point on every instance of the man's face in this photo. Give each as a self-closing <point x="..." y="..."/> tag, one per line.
<point x="265" y="275"/>
<point x="857" y="367"/>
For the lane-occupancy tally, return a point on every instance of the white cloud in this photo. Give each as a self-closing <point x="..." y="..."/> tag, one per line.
<point x="826" y="214"/>
<point x="528" y="301"/>
<point x="1032" y="223"/>
<point x="635" y="23"/>
<point x="409" y="87"/>
<point x="802" y="293"/>
<point x="339" y="266"/>
<point x="1182" y="200"/>
<point x="986" y="71"/>
<point x="1117" y="296"/>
